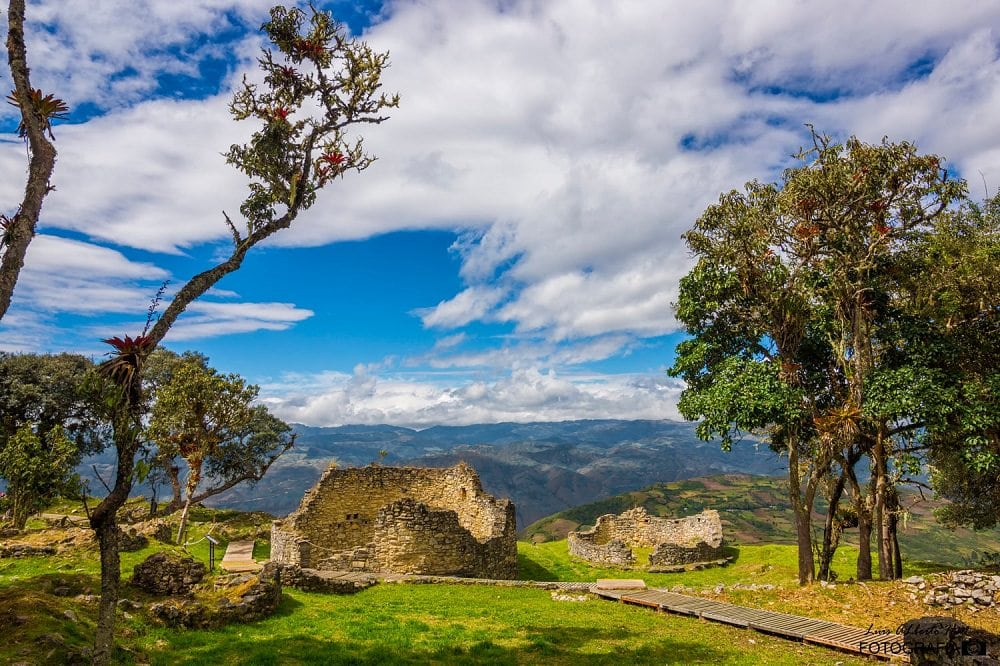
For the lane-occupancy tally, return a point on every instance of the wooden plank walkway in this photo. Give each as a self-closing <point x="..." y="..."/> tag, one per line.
<point x="808" y="630"/>
<point x="239" y="557"/>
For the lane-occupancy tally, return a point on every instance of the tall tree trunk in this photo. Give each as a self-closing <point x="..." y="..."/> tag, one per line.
<point x="803" y="519"/>
<point x="107" y="539"/>
<point x="864" y="566"/>
<point x="194" y="478"/>
<point x="182" y="527"/>
<point x="879" y="509"/>
<point x="831" y="528"/>
<point x="863" y="511"/>
<point x="174" y="472"/>
<point x="104" y="522"/>
<point x="897" y="560"/>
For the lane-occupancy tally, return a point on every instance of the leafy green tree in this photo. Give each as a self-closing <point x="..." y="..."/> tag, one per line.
<point x="793" y="306"/>
<point x="958" y="369"/>
<point x="752" y="362"/>
<point x="49" y="418"/>
<point x="319" y="85"/>
<point x="859" y="210"/>
<point x="209" y="420"/>
<point x="37" y="467"/>
<point x="48" y="390"/>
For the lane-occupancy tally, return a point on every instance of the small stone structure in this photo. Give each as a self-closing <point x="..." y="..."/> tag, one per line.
<point x="400" y="520"/>
<point x="163" y="573"/>
<point x="243" y="598"/>
<point x="674" y="541"/>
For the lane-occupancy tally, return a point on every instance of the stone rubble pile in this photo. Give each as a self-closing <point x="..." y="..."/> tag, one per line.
<point x="25" y="550"/>
<point x="976" y="590"/>
<point x="250" y="598"/>
<point x="163" y="573"/>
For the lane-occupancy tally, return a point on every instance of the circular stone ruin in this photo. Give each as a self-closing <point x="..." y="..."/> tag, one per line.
<point x="674" y="542"/>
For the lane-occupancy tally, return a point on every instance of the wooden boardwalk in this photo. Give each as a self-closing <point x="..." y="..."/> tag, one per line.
<point x="239" y="557"/>
<point x="808" y="630"/>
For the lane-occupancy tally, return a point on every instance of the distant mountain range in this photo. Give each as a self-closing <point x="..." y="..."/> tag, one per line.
<point x="543" y="467"/>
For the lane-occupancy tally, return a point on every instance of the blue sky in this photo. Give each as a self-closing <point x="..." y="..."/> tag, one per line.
<point x="514" y="252"/>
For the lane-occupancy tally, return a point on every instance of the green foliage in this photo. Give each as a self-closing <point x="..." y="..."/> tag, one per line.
<point x="50" y="416"/>
<point x="297" y="152"/>
<point x="209" y="420"/>
<point x="851" y="309"/>
<point x="197" y="409"/>
<point x="49" y="390"/>
<point x="37" y="469"/>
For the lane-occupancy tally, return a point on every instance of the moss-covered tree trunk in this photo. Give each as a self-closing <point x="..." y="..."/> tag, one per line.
<point x="104" y="522"/>
<point x="831" y="528"/>
<point x="194" y="478"/>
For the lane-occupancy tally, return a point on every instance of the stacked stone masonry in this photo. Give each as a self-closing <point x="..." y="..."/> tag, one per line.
<point x="400" y="520"/>
<point x="674" y="541"/>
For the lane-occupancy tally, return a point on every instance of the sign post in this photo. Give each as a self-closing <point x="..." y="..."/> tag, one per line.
<point x="211" y="551"/>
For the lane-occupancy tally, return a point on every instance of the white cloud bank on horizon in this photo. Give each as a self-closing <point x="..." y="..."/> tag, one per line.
<point x="329" y="399"/>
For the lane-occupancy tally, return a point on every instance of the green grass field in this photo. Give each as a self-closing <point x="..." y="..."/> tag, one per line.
<point x="420" y="624"/>
<point x="390" y="623"/>
<point x="464" y="624"/>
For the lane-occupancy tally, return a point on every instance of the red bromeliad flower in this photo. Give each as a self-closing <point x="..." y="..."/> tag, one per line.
<point x="335" y="158"/>
<point x="280" y="113"/>
<point x="329" y="165"/>
<point x="49" y="107"/>
<point x="128" y="344"/>
<point x="308" y="48"/>
<point x="124" y="365"/>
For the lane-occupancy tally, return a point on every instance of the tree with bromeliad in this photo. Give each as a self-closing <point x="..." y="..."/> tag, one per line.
<point x="809" y="321"/>
<point x="209" y="420"/>
<point x="317" y="86"/>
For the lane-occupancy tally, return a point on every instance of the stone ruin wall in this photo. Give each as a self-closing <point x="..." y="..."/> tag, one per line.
<point x="400" y="520"/>
<point x="674" y="541"/>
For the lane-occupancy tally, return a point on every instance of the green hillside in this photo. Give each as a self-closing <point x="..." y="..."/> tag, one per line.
<point x="755" y="509"/>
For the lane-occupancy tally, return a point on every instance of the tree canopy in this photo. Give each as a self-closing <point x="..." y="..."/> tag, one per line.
<point x="838" y="315"/>
<point x="50" y="416"/>
<point x="211" y="422"/>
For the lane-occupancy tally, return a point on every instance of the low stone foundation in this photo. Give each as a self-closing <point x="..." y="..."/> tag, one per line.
<point x="400" y="520"/>
<point x="164" y="573"/>
<point x="674" y="541"/>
